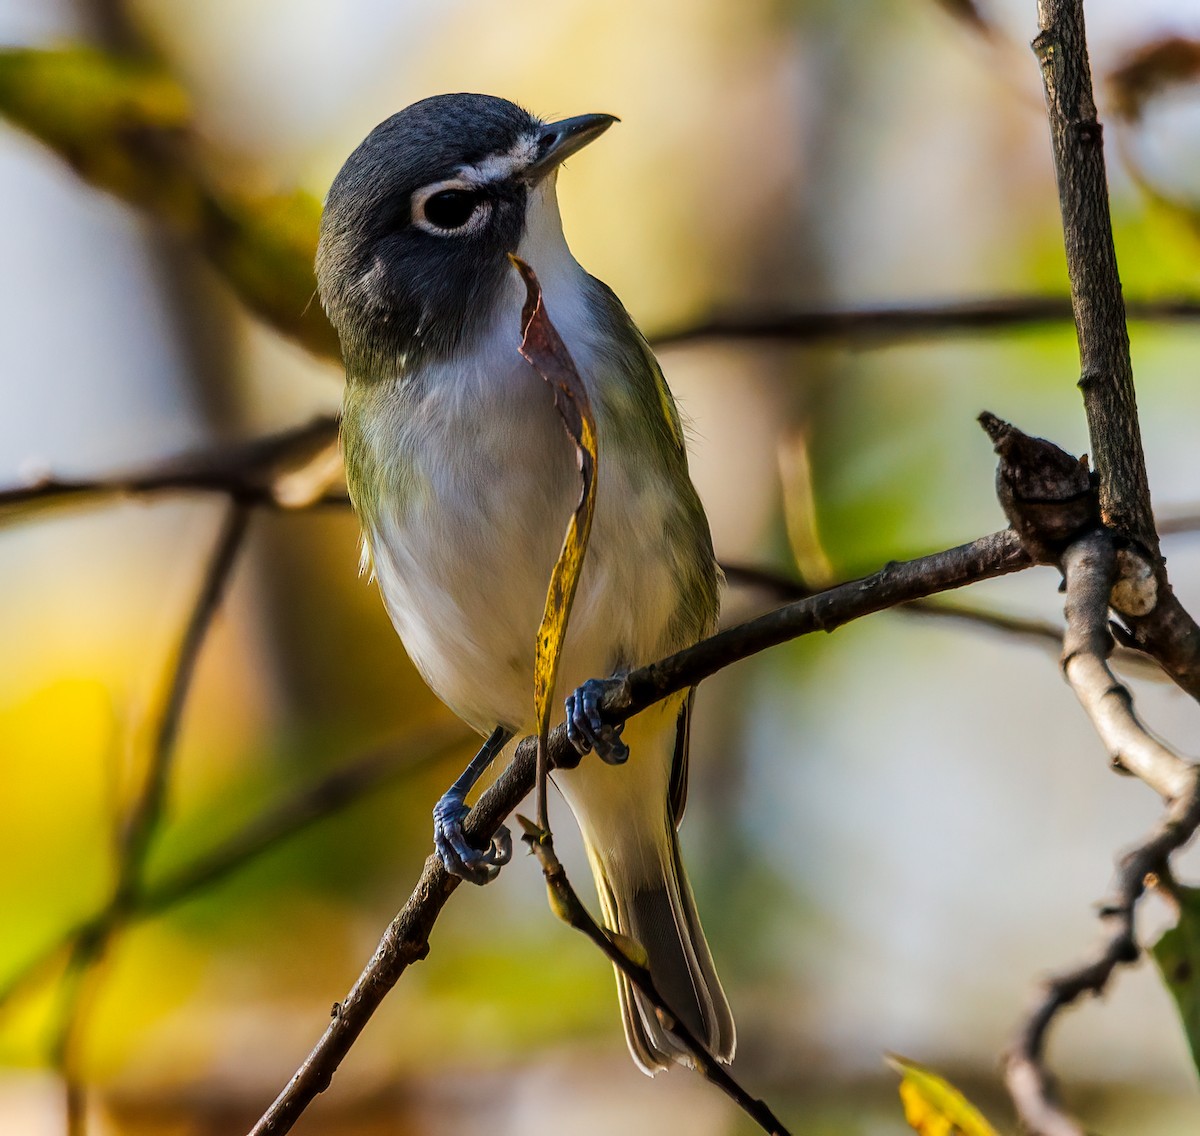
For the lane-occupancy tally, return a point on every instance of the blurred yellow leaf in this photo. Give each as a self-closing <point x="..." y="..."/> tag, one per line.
<point x="934" y="1107"/>
<point x="800" y="511"/>
<point x="542" y="346"/>
<point x="125" y="126"/>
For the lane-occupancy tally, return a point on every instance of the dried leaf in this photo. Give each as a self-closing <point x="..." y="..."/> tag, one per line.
<point x="1149" y="70"/>
<point x="1177" y="954"/>
<point x="543" y="348"/>
<point x="934" y="1107"/>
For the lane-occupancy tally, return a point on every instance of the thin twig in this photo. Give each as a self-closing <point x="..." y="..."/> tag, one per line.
<point x="328" y="796"/>
<point x="567" y="905"/>
<point x="1090" y="568"/>
<point x="247" y="472"/>
<point x="879" y="326"/>
<point x="1029" y="1083"/>
<point x="141" y="824"/>
<point x="144" y="819"/>
<point x="785" y="589"/>
<point x="406" y="940"/>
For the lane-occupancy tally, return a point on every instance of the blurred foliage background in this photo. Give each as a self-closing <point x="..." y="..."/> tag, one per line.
<point x="891" y="832"/>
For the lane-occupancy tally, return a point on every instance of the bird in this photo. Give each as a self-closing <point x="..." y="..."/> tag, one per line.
<point x="463" y="479"/>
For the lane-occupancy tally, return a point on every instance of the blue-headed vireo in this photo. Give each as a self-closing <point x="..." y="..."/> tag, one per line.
<point x="464" y="478"/>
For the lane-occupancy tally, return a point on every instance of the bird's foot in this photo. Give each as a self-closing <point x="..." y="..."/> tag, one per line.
<point x="458" y="857"/>
<point x="585" y="728"/>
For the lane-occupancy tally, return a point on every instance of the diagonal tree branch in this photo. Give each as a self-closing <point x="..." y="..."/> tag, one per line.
<point x="290" y="817"/>
<point x="406" y="940"/>
<point x="142" y="822"/>
<point x="248" y="473"/>
<point x="629" y="958"/>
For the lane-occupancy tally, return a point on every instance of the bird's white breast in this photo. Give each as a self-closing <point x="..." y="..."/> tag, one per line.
<point x="463" y="559"/>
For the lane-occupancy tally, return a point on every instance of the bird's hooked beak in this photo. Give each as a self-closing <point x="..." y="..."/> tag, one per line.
<point x="559" y="140"/>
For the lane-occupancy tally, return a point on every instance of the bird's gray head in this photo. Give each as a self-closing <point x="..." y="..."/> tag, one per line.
<point x="420" y="220"/>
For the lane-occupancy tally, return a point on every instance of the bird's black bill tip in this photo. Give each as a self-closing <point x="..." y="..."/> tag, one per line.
<point x="559" y="140"/>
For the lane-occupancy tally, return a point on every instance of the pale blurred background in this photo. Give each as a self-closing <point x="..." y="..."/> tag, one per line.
<point x="892" y="832"/>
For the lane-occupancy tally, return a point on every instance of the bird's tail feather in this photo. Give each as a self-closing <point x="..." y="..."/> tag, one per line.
<point x="662" y="917"/>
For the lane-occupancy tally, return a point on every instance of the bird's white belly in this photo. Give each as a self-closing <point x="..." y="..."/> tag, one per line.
<point x="464" y="563"/>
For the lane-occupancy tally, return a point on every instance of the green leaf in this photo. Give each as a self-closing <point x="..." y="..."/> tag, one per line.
<point x="125" y="126"/>
<point x="112" y="119"/>
<point x="933" y="1106"/>
<point x="1177" y="954"/>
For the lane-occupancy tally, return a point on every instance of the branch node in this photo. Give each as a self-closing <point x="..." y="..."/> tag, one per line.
<point x="1136" y="591"/>
<point x="1048" y="495"/>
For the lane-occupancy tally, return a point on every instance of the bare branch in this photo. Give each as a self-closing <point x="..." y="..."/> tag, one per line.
<point x="566" y="904"/>
<point x="1037" y="632"/>
<point x="1107" y="373"/>
<point x="88" y="949"/>
<point x="878" y="326"/>
<point x="1166" y="631"/>
<point x="406" y="940"/>
<point x="1090" y="570"/>
<point x="248" y="473"/>
<point x="1029" y="1083"/>
<point x="290" y="817"/>
<point x="787" y="590"/>
<point x="143" y="821"/>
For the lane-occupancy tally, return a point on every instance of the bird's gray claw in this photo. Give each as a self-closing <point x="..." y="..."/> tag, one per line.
<point x="587" y="731"/>
<point x="458" y="857"/>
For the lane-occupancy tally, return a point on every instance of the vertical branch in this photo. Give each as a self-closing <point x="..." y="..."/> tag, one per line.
<point x="1162" y="626"/>
<point x="143" y="821"/>
<point x="140" y="826"/>
<point x="1106" y="373"/>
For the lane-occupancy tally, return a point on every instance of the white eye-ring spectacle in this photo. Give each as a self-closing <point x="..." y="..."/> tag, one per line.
<point x="450" y="208"/>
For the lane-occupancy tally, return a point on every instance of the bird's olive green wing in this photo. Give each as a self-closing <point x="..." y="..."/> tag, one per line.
<point x="677" y="794"/>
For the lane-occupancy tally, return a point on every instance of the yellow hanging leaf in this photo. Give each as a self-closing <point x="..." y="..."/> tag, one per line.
<point x="543" y="348"/>
<point x="933" y="1106"/>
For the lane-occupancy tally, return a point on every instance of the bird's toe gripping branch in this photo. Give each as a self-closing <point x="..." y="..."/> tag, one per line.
<point x="458" y="856"/>
<point x="586" y="728"/>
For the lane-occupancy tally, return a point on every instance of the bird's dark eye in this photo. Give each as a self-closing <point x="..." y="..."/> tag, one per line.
<point x="451" y="208"/>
